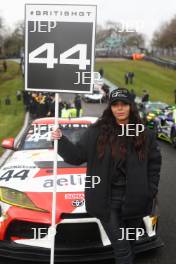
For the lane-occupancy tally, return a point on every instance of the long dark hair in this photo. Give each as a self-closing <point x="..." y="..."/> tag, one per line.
<point x="109" y="131"/>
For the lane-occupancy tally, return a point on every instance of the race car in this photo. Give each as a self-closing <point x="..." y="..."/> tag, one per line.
<point x="98" y="96"/>
<point x="151" y="107"/>
<point x="26" y="186"/>
<point x="164" y="124"/>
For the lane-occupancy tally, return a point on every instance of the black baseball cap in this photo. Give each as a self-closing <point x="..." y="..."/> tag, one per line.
<point x="120" y="94"/>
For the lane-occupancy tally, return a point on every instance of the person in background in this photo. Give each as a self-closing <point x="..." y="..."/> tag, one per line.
<point x="18" y="95"/>
<point x="4" y="65"/>
<point x="174" y="115"/>
<point x="130" y="77"/>
<point x="51" y="105"/>
<point x="126" y="78"/>
<point x="133" y="95"/>
<point x="145" y="96"/>
<point x="101" y="72"/>
<point x="7" y="100"/>
<point x="65" y="110"/>
<point x="78" y="105"/>
<point x="105" y="88"/>
<point x="42" y="107"/>
<point x="32" y="104"/>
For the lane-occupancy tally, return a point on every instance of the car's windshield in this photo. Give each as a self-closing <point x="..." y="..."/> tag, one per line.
<point x="157" y="106"/>
<point x="96" y="92"/>
<point x="38" y="136"/>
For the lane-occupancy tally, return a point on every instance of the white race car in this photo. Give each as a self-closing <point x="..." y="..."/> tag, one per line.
<point x="96" y="97"/>
<point x="26" y="185"/>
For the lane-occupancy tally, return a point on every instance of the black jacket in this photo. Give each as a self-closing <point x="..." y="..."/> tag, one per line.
<point x="142" y="176"/>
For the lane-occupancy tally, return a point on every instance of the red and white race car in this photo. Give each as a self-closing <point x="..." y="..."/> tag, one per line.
<point x="26" y="185"/>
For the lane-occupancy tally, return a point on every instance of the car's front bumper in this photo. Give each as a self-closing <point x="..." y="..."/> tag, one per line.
<point x="12" y="250"/>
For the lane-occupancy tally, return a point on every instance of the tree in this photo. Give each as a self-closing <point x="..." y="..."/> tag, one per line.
<point x="136" y="39"/>
<point x="1" y="35"/>
<point x="165" y="36"/>
<point x="14" y="42"/>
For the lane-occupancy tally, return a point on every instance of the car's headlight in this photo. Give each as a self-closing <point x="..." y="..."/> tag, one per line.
<point x="150" y="116"/>
<point x="154" y="220"/>
<point x="17" y="198"/>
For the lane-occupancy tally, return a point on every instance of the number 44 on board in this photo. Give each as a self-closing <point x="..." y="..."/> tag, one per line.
<point x="50" y="60"/>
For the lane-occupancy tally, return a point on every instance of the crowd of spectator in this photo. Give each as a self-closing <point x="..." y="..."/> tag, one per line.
<point x="43" y="105"/>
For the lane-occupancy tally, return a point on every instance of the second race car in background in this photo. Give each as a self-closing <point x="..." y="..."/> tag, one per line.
<point x="97" y="97"/>
<point x="164" y="124"/>
<point x="151" y="107"/>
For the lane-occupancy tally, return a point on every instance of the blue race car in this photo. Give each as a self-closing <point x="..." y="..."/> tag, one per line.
<point x="165" y="125"/>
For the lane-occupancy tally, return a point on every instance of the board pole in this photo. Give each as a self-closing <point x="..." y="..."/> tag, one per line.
<point x="54" y="194"/>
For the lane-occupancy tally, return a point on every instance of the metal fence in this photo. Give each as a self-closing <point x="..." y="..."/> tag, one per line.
<point x="161" y="62"/>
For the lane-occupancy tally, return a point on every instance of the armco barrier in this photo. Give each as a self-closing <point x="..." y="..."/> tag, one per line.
<point x="161" y="62"/>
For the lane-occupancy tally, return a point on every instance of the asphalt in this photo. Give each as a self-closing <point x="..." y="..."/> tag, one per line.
<point x="167" y="198"/>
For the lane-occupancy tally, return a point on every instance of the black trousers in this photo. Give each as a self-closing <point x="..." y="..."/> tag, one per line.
<point x="123" y="249"/>
<point x="78" y="112"/>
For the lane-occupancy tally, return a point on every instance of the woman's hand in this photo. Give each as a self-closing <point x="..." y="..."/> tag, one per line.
<point x="56" y="134"/>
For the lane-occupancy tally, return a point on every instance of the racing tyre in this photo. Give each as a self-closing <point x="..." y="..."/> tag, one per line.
<point x="156" y="129"/>
<point x="173" y="138"/>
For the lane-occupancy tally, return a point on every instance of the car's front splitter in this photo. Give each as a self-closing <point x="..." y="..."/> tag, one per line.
<point x="12" y="250"/>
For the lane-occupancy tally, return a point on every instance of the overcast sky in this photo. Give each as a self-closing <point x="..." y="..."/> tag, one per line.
<point x="147" y="15"/>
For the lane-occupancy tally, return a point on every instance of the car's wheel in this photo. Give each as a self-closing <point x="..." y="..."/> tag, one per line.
<point x="173" y="137"/>
<point x="156" y="128"/>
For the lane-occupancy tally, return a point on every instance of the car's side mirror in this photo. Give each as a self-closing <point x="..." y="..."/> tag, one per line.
<point x="8" y="143"/>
